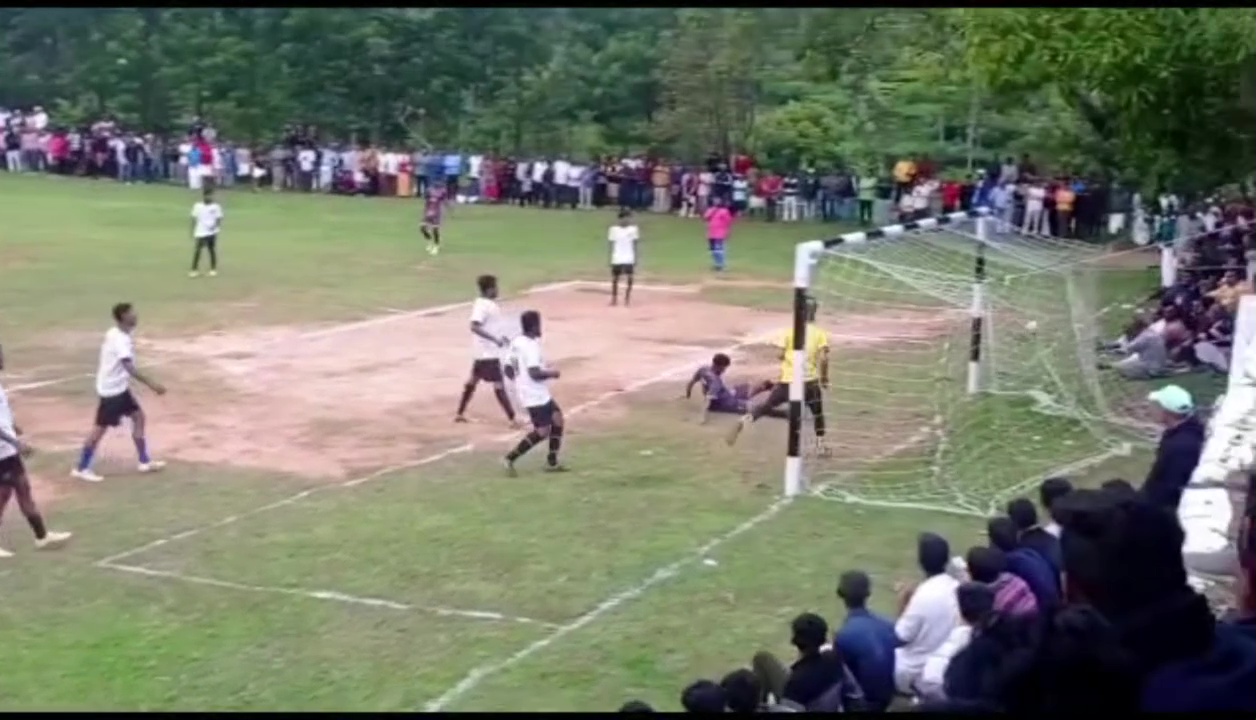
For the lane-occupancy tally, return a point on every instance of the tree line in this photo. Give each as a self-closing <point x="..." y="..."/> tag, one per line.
<point x="1164" y="96"/>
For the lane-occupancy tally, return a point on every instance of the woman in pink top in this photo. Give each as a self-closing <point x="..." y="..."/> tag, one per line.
<point x="719" y="220"/>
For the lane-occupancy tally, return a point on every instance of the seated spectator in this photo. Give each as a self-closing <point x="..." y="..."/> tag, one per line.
<point x="1030" y="535"/>
<point x="635" y="706"/>
<point x="1180" y="446"/>
<point x="973" y="608"/>
<point x="963" y="678"/>
<point x="1012" y="596"/>
<point x="703" y="696"/>
<point x="1026" y="564"/>
<point x="1118" y="488"/>
<point x="929" y="612"/>
<point x="1123" y="556"/>
<point x="818" y="680"/>
<point x="866" y="641"/>
<point x="743" y="692"/>
<point x="1049" y="491"/>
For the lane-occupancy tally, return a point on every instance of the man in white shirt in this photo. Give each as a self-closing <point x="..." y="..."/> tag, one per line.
<point x="474" y="164"/>
<point x="206" y="221"/>
<point x="486" y="344"/>
<point x="1035" y="222"/>
<point x="538" y="196"/>
<point x="306" y="158"/>
<point x="930" y="614"/>
<point x="113" y="386"/>
<point x="562" y="174"/>
<point x="623" y="237"/>
<point x="527" y="368"/>
<point x="15" y="481"/>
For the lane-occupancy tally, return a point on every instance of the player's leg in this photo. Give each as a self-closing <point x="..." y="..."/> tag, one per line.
<point x="744" y="394"/>
<point x="435" y="238"/>
<point x="615" y="272"/>
<point x="555" y="439"/>
<point x="211" y="244"/>
<point x="138" y="426"/>
<point x="813" y="396"/>
<point x="491" y="372"/>
<point x="468" y="390"/>
<point x="6" y="492"/>
<point x="628" y="272"/>
<point x="18" y="482"/>
<point x="541" y="417"/>
<point x="107" y="416"/>
<point x="778" y="395"/>
<point x="426" y="231"/>
<point x="196" y="257"/>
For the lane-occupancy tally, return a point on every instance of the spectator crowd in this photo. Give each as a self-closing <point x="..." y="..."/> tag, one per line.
<point x="304" y="161"/>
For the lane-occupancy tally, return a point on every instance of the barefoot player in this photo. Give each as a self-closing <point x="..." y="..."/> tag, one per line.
<point x="433" y="210"/>
<point x="720" y="397"/>
<point x="113" y="385"/>
<point x="527" y="368"/>
<point x="14" y="480"/>
<point x="487" y="346"/>
<point x="623" y="237"/>
<point x="815" y="377"/>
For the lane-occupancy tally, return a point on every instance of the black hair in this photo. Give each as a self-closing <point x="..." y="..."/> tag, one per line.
<point x="530" y="322"/>
<point x="810" y="632"/>
<point x="854" y="587"/>
<point x="976" y="602"/>
<point x="1053" y="489"/>
<point x="120" y="310"/>
<point x="933" y="553"/>
<point x="1118" y="488"/>
<point x="1001" y="532"/>
<point x="703" y="696"/>
<point x="635" y="706"/>
<point x="721" y="360"/>
<point x="985" y="564"/>
<point x="743" y="693"/>
<point x="624" y="212"/>
<point x="1120" y="553"/>
<point x="485" y="282"/>
<point x="1023" y="513"/>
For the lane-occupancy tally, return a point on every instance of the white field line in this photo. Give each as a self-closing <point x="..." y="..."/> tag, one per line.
<point x="113" y="561"/>
<point x="610" y="604"/>
<point x="333" y="596"/>
<point x="331" y="330"/>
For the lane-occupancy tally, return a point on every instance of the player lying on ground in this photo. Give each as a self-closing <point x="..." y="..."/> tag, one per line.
<point x="623" y="237"/>
<point x="815" y="377"/>
<point x="113" y="385"/>
<point x="14" y="480"/>
<point x="527" y="368"/>
<point x="721" y="397"/>
<point x="206" y="221"/>
<point x="487" y="366"/>
<point x="433" y="209"/>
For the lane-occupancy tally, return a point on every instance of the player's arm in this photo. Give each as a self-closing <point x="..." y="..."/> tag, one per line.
<point x="697" y="377"/>
<point x="532" y="361"/>
<point x="192" y="224"/>
<point x="22" y="448"/>
<point x="477" y="328"/>
<point x="822" y="358"/>
<point x="129" y="365"/>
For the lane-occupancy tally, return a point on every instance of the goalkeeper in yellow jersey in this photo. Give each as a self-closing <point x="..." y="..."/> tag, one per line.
<point x="815" y="376"/>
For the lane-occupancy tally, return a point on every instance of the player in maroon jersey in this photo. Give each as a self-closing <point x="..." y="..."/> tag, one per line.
<point x="433" y="210"/>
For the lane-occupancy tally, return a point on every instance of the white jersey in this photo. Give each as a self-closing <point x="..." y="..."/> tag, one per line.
<point x="8" y="425"/>
<point x="111" y="378"/>
<point x="525" y="353"/>
<point x="488" y="315"/>
<point x="623" y="240"/>
<point x="208" y="217"/>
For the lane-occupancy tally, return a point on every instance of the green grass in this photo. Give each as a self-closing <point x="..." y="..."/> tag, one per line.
<point x="250" y="615"/>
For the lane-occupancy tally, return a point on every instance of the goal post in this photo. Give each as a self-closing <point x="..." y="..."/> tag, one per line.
<point x="964" y="365"/>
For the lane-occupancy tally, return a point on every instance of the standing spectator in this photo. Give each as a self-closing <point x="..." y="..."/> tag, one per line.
<point x="904" y="176"/>
<point x="1049" y="492"/>
<point x="590" y="181"/>
<point x="791" y="201"/>
<point x="452" y="166"/>
<point x="661" y="181"/>
<point x="929" y="612"/>
<point x="950" y="195"/>
<point x="1181" y="444"/>
<point x="475" y="173"/>
<point x="12" y="150"/>
<point x="866" y="641"/>
<point x="575" y="181"/>
<point x="867" y="195"/>
<point x="1035" y="222"/>
<point x="306" y="164"/>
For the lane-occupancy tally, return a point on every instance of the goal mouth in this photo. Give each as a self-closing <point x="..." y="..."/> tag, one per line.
<point x="987" y="375"/>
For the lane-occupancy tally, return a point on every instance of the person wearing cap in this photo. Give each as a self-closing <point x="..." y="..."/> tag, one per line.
<point x="1181" y="444"/>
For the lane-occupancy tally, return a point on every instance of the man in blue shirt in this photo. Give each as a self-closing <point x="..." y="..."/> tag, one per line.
<point x="866" y="641"/>
<point x="453" y="171"/>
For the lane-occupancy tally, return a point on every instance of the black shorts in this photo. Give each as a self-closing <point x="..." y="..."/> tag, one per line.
<point x="111" y="410"/>
<point x="12" y="471"/>
<point x="543" y="415"/>
<point x="622" y="269"/>
<point x="488" y="370"/>
<point x="208" y="241"/>
<point x="812" y="395"/>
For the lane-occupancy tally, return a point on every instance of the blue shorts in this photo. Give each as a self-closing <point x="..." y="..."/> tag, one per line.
<point x="737" y="401"/>
<point x="715" y="244"/>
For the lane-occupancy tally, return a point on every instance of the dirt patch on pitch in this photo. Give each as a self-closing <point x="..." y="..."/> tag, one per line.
<point x="340" y="401"/>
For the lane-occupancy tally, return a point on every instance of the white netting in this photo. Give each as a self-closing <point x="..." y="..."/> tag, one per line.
<point x="903" y="430"/>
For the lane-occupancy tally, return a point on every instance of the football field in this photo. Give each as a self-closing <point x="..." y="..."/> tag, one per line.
<point x="326" y="538"/>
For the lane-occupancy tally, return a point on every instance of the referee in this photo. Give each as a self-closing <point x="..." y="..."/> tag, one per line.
<point x="815" y="379"/>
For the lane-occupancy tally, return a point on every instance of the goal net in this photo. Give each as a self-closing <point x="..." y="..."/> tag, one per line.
<point x="964" y="366"/>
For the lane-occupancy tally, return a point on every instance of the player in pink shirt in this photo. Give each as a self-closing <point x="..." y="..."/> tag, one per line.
<point x="719" y="220"/>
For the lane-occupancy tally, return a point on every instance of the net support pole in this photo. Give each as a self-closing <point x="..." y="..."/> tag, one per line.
<point x="805" y="255"/>
<point x="977" y="310"/>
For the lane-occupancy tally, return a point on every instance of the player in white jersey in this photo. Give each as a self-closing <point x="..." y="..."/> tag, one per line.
<point x="488" y="348"/>
<point x="623" y="237"/>
<point x="531" y="376"/>
<point x="206" y="221"/>
<point x="15" y="482"/>
<point x="113" y="386"/>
